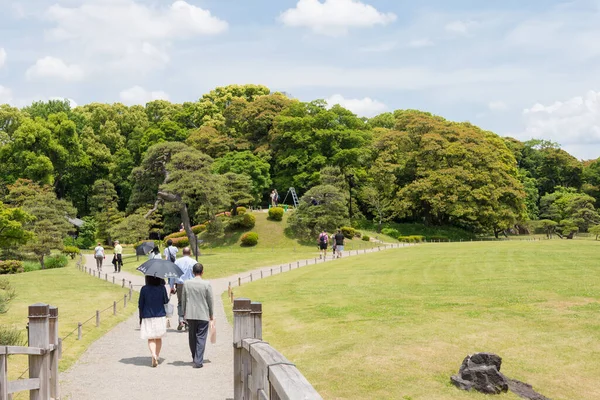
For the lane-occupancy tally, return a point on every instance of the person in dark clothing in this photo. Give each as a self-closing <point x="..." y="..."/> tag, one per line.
<point x="153" y="317"/>
<point x="339" y="243"/>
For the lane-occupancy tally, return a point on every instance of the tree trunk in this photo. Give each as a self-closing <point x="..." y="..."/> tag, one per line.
<point x="42" y="261"/>
<point x="185" y="218"/>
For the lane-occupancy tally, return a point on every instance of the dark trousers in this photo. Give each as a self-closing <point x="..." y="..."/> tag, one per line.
<point x="119" y="262"/>
<point x="179" y="289"/>
<point x="197" y="334"/>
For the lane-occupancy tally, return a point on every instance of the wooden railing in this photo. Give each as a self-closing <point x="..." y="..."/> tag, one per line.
<point x="259" y="371"/>
<point x="44" y="352"/>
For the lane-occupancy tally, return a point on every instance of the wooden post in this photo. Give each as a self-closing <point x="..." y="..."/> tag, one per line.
<point x="297" y="264"/>
<point x="79" y="331"/>
<point x="39" y="336"/>
<point x="124" y="301"/>
<point x="130" y="292"/>
<point x="54" y="356"/>
<point x="123" y="284"/>
<point x="106" y="277"/>
<point x="256" y="313"/>
<point x="280" y="269"/>
<point x="243" y="328"/>
<point x="290" y="267"/>
<point x="97" y="318"/>
<point x="114" y="308"/>
<point x="250" y="277"/>
<point x="239" y="281"/>
<point x="271" y="271"/>
<point x="3" y="374"/>
<point x="113" y="279"/>
<point x="261" y="274"/>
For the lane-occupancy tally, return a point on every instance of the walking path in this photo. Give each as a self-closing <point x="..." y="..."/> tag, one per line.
<point x="117" y="366"/>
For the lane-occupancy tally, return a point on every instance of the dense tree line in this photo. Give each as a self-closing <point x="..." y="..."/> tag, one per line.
<point x="167" y="163"/>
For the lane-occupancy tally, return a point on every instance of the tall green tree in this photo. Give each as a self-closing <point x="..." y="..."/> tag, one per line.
<point x="12" y="226"/>
<point x="246" y="163"/>
<point x="103" y="205"/>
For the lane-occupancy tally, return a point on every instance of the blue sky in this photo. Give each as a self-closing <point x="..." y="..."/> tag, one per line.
<point x="527" y="69"/>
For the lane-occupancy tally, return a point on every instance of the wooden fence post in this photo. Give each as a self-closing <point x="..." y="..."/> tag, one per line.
<point x="124" y="301"/>
<point x="3" y="374"/>
<point x="113" y="279"/>
<point x="256" y="313"/>
<point x="239" y="281"/>
<point x="261" y="274"/>
<point x="54" y="356"/>
<point x="114" y="308"/>
<point x="243" y="328"/>
<point x="123" y="284"/>
<point x="130" y="292"/>
<point x="79" y="325"/>
<point x="97" y="318"/>
<point x="39" y="335"/>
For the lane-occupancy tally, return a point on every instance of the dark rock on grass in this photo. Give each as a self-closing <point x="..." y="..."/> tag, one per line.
<point x="481" y="372"/>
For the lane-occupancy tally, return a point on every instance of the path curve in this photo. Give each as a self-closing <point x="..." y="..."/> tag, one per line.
<point x="118" y="364"/>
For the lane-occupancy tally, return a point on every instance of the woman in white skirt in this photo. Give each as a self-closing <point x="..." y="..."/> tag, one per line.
<point x="153" y="298"/>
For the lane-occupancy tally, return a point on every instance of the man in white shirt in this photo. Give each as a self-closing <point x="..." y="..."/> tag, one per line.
<point x="170" y="251"/>
<point x="186" y="263"/>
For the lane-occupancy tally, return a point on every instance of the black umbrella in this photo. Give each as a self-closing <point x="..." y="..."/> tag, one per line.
<point x="160" y="268"/>
<point x="144" y="248"/>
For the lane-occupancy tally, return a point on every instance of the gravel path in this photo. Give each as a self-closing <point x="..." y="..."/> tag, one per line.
<point x="117" y="365"/>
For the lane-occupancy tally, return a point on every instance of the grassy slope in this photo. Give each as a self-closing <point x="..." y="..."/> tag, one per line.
<point x="77" y="297"/>
<point x="273" y="247"/>
<point x="396" y="325"/>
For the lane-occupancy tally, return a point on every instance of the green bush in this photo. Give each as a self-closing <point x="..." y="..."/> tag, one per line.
<point x="11" y="267"/>
<point x="250" y="239"/>
<point x="411" y="239"/>
<point x="240" y="210"/>
<point x="197" y="229"/>
<point x="57" y="261"/>
<point x="244" y="221"/>
<point x="391" y="232"/>
<point x="348" y="232"/>
<point x="358" y="234"/>
<point x="175" y="235"/>
<point x="180" y="242"/>
<point x="30" y="266"/>
<point x="71" y="251"/>
<point x="275" y="213"/>
<point x="366" y="238"/>
<point x="10" y="336"/>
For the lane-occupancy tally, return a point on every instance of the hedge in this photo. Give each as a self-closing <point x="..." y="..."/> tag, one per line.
<point x="11" y="267"/>
<point x="198" y="228"/>
<point x="275" y="213"/>
<point x="175" y="235"/>
<point x="244" y="221"/>
<point x="180" y="242"/>
<point x="366" y="238"/>
<point x="348" y="232"/>
<point x="391" y="232"/>
<point x="411" y="239"/>
<point x="250" y="239"/>
<point x="71" y="251"/>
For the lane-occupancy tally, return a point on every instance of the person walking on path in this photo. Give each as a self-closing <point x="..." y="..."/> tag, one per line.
<point x="198" y="311"/>
<point x="118" y="256"/>
<point x="186" y="263"/>
<point x="99" y="256"/>
<point x="339" y="243"/>
<point x="171" y="251"/>
<point x="155" y="254"/>
<point x="153" y="317"/>
<point x="322" y="242"/>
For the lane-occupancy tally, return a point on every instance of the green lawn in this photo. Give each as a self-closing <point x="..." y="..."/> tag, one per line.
<point x="273" y="248"/>
<point x="396" y="325"/>
<point x="77" y="297"/>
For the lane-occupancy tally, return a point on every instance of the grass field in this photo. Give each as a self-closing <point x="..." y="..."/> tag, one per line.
<point x="273" y="247"/>
<point x="397" y="325"/>
<point x="77" y="297"/>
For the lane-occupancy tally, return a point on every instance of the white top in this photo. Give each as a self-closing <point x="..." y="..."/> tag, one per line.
<point x="170" y="250"/>
<point x="152" y="256"/>
<point x="99" y="251"/>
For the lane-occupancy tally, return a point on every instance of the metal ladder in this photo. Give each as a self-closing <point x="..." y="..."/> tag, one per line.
<point x="294" y="197"/>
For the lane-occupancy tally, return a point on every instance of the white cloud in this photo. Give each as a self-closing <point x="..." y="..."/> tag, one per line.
<point x="129" y="34"/>
<point x="334" y="17"/>
<point x="574" y="122"/>
<point x="139" y="95"/>
<point x="365" y="107"/>
<point x="52" y="67"/>
<point x="5" y="95"/>
<point x="458" y="27"/>
<point x="418" y="43"/>
<point x="72" y="102"/>
<point x="497" y="105"/>
<point x="2" y="57"/>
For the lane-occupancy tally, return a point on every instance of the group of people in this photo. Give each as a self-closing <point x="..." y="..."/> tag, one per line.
<point x="194" y="305"/>
<point x="274" y="198"/>
<point x="117" y="260"/>
<point x="337" y="243"/>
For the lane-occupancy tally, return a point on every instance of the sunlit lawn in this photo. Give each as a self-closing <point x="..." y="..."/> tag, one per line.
<point x="397" y="324"/>
<point x="77" y="297"/>
<point x="273" y="248"/>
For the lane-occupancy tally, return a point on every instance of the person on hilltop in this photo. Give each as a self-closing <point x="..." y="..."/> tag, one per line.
<point x="273" y="196"/>
<point x="153" y="324"/>
<point x="322" y="242"/>
<point x="99" y="256"/>
<point x="171" y="251"/>
<point x="118" y="253"/>
<point x="276" y="198"/>
<point x="186" y="263"/>
<point x="198" y="311"/>
<point x="339" y="243"/>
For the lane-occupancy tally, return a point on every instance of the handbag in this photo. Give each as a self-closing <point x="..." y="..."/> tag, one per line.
<point x="212" y="332"/>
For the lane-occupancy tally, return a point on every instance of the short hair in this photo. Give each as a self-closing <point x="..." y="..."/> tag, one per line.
<point x="99" y="244"/>
<point x="186" y="251"/>
<point x="197" y="269"/>
<point x="169" y="242"/>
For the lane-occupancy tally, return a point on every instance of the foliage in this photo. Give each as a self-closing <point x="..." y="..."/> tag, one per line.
<point x="176" y="235"/>
<point x="411" y="238"/>
<point x="548" y="227"/>
<point x="276" y="213"/>
<point x="437" y="238"/>
<point x="131" y="229"/>
<point x="348" y="232"/>
<point x="244" y="221"/>
<point x="71" y="251"/>
<point x="198" y="228"/>
<point x="248" y="164"/>
<point x="103" y="204"/>
<point x="241" y="210"/>
<point x="56" y="261"/>
<point x="249" y="239"/>
<point x="9" y="336"/>
<point x="239" y="188"/>
<point x="322" y="207"/>
<point x="12" y="230"/>
<point x="595" y="230"/>
<point x="87" y="233"/>
<point x="390" y="232"/>
<point x="570" y="208"/>
<point x="180" y="242"/>
<point x="366" y="238"/>
<point x="11" y="267"/>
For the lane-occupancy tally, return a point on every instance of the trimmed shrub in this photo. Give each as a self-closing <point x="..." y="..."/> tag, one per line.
<point x="411" y="239"/>
<point x="198" y="228"/>
<point x="366" y="238"/>
<point x="175" y="235"/>
<point x="241" y="210"/>
<point x="244" y="221"/>
<point x="11" y="267"/>
<point x="71" y="251"/>
<point x="250" y="239"/>
<point x="275" y="213"/>
<point x="180" y="242"/>
<point x="348" y="232"/>
<point x="57" y="261"/>
<point x="391" y="232"/>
